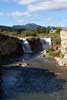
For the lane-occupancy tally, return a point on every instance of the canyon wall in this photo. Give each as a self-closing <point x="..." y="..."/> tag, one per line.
<point x="63" y="35"/>
<point x="9" y="45"/>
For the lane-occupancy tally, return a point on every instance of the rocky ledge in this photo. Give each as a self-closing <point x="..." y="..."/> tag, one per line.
<point x="9" y="46"/>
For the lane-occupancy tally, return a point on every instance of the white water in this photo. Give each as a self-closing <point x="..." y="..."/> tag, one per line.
<point x="46" y="43"/>
<point x="26" y="46"/>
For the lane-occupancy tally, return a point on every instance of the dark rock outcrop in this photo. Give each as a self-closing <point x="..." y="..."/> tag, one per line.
<point x="9" y="47"/>
<point x="35" y="44"/>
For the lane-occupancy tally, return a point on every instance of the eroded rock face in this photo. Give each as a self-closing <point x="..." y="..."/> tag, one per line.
<point x="9" y="45"/>
<point x="35" y="44"/>
<point x="63" y="35"/>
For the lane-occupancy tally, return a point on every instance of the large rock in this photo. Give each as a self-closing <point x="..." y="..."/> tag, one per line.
<point x="35" y="44"/>
<point x="9" y="45"/>
<point x="63" y="35"/>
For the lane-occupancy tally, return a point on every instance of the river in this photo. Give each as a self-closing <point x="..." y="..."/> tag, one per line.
<point x="18" y="83"/>
<point x="31" y="84"/>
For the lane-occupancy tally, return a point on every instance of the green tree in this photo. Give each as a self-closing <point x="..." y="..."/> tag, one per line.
<point x="41" y="29"/>
<point x="58" y="29"/>
<point x="30" y="33"/>
<point x="48" y="29"/>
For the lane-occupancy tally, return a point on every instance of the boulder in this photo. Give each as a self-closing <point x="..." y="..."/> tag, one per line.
<point x="9" y="46"/>
<point x="35" y="44"/>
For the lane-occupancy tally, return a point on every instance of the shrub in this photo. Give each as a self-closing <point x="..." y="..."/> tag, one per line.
<point x="31" y="33"/>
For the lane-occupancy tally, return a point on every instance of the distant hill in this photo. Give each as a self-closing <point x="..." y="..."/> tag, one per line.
<point x="30" y="26"/>
<point x="19" y="27"/>
<point x="6" y="28"/>
<point x="27" y="26"/>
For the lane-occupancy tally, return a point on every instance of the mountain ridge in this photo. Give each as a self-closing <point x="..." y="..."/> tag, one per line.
<point x="29" y="26"/>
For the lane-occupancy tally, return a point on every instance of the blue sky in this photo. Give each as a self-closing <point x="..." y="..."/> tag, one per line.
<point x="42" y="12"/>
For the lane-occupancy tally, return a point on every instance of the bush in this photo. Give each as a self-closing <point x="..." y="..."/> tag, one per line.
<point x="53" y="53"/>
<point x="31" y="33"/>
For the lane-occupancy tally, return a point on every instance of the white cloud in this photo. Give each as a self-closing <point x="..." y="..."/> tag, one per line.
<point x="25" y="2"/>
<point x="60" y="0"/>
<point x="48" y="5"/>
<point x="17" y="14"/>
<point x="13" y="14"/>
<point x="37" y="5"/>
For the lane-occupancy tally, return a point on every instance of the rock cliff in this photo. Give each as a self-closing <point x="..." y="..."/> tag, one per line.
<point x="9" y="46"/>
<point x="35" y="44"/>
<point x="63" y="35"/>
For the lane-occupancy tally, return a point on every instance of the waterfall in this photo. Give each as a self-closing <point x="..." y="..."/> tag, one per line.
<point x="46" y="43"/>
<point x="26" y="46"/>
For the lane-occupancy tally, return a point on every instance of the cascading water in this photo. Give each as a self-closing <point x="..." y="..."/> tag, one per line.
<point x="26" y="46"/>
<point x="46" y="43"/>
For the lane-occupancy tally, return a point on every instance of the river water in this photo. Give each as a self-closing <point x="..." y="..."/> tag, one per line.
<point x="31" y="84"/>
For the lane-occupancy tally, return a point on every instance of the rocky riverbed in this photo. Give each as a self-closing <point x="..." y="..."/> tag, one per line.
<point x="41" y="78"/>
<point x="25" y="83"/>
<point x="42" y="63"/>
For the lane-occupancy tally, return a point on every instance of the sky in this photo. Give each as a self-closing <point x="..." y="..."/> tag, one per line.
<point x="41" y="12"/>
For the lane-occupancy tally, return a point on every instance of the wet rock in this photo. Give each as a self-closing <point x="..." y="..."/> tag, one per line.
<point x="35" y="44"/>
